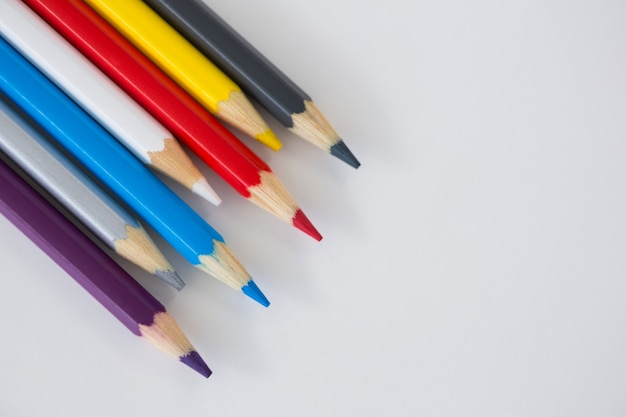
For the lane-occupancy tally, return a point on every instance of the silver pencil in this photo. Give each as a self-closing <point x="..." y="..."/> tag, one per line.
<point x="79" y="195"/>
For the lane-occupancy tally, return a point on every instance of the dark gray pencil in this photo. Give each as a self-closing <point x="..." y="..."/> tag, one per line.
<point x="254" y="73"/>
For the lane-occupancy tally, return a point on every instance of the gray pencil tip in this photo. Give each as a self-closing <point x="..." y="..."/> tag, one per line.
<point x="341" y="151"/>
<point x="172" y="278"/>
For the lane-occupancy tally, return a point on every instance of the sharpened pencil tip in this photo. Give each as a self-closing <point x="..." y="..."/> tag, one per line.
<point x="252" y="291"/>
<point x="172" y="278"/>
<point x="195" y="362"/>
<point x="302" y="222"/>
<point x="204" y="190"/>
<point x="341" y="151"/>
<point x="269" y="139"/>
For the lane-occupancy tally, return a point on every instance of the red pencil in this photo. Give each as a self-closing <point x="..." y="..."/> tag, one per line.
<point x="241" y="168"/>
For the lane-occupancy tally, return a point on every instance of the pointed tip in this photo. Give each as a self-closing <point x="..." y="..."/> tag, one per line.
<point x="269" y="139"/>
<point x="195" y="362"/>
<point x="204" y="190"/>
<point x="302" y="222"/>
<point x="341" y="151"/>
<point x="172" y="278"/>
<point x="252" y="291"/>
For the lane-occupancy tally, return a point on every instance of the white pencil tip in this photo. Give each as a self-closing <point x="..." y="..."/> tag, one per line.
<point x="204" y="190"/>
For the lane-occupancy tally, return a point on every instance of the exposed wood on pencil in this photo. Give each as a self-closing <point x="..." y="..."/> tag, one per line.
<point x="254" y="73"/>
<point x="226" y="267"/>
<point x="99" y="96"/>
<point x="173" y="160"/>
<point x="165" y="334"/>
<point x="238" y="105"/>
<point x="173" y="156"/>
<point x="109" y="161"/>
<point x="93" y="269"/>
<point x="186" y="65"/>
<point x="272" y="195"/>
<point x="141" y="79"/>
<point x="313" y="126"/>
<point x="67" y="186"/>
<point x="138" y="247"/>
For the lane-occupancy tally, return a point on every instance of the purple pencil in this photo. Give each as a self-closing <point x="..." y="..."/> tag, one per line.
<point x="93" y="269"/>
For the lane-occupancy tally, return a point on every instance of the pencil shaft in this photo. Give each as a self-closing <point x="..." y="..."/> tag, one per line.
<point x="95" y="93"/>
<point x="141" y="79"/>
<point x="105" y="157"/>
<point x="185" y="64"/>
<point x="90" y="267"/>
<point x="256" y="75"/>
<point x="75" y="253"/>
<point x="89" y="143"/>
<point x="241" y="61"/>
<point x="24" y="145"/>
<point x="167" y="102"/>
<point x="81" y="198"/>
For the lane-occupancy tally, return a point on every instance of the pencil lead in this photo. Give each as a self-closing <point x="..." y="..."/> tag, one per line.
<point x="195" y="362"/>
<point x="252" y="291"/>
<point x="172" y="278"/>
<point x="341" y="151"/>
<point x="269" y="139"/>
<point x="303" y="223"/>
<point x="204" y="190"/>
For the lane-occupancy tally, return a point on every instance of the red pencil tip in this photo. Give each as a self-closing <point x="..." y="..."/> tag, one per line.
<point x="303" y="223"/>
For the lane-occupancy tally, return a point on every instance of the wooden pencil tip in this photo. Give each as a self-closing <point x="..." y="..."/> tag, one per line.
<point x="195" y="362"/>
<point x="341" y="151"/>
<point x="165" y="334"/>
<point x="301" y="221"/>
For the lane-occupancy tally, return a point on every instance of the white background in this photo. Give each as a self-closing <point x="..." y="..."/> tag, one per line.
<point x="473" y="266"/>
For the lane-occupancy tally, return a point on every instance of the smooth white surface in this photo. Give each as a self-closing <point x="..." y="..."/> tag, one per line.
<point x="473" y="266"/>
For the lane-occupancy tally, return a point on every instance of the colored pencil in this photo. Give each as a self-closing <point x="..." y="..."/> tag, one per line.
<point x="253" y="72"/>
<point x="172" y="106"/>
<point x="93" y="269"/>
<point x="99" y="96"/>
<point x="80" y="196"/>
<point x="186" y="65"/>
<point x="121" y="172"/>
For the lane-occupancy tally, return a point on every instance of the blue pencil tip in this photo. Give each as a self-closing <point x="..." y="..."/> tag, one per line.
<point x="252" y="291"/>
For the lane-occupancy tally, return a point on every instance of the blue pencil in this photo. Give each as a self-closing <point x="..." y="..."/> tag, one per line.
<point x="125" y="175"/>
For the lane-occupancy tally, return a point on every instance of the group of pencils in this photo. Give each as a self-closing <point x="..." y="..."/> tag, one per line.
<point x="98" y="95"/>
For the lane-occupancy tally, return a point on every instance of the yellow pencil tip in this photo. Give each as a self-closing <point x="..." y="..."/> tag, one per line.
<point x="269" y="139"/>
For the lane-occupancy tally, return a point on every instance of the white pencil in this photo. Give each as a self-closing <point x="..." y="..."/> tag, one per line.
<point x="99" y="96"/>
<point x="82" y="199"/>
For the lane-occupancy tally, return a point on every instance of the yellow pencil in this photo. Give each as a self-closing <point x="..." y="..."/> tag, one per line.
<point x="185" y="65"/>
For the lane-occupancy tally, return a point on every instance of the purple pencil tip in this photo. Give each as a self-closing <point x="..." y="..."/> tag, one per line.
<point x="195" y="362"/>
